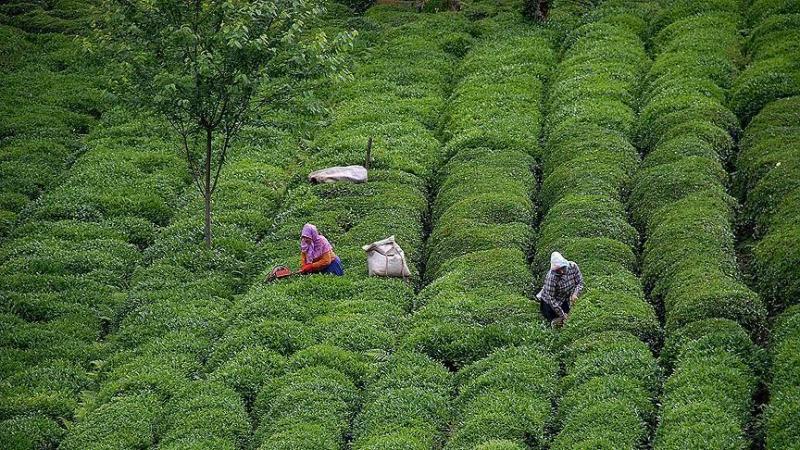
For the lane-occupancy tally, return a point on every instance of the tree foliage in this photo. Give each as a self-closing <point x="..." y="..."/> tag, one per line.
<point x="207" y="65"/>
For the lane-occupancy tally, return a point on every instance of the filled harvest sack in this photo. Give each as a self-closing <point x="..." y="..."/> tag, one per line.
<point x="386" y="259"/>
<point x="351" y="174"/>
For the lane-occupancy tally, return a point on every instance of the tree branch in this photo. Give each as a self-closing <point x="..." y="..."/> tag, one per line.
<point x="230" y="130"/>
<point x="194" y="169"/>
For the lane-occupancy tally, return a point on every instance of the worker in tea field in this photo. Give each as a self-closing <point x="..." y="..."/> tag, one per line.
<point x="316" y="253"/>
<point x="563" y="284"/>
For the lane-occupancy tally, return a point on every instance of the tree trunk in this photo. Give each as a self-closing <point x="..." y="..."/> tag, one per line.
<point x="542" y="10"/>
<point x="207" y="186"/>
<point x="536" y="9"/>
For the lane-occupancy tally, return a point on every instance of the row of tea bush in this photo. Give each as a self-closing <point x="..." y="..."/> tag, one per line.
<point x="680" y="202"/>
<point x="768" y="170"/>
<point x="768" y="166"/>
<point x="611" y="378"/>
<point x="50" y="98"/>
<point x="475" y="316"/>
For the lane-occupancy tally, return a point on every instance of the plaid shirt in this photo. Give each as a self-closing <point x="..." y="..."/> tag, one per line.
<point x="559" y="288"/>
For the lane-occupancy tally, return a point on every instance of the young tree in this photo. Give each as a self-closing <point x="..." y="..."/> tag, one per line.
<point x="205" y="65"/>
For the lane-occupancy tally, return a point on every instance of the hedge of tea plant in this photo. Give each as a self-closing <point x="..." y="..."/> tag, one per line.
<point x="482" y="214"/>
<point x="67" y="266"/>
<point x="506" y="396"/>
<point x="768" y="170"/>
<point x="49" y="99"/>
<point x="773" y="48"/>
<point x="782" y="429"/>
<point x="406" y="404"/>
<point x="679" y="201"/>
<point x="765" y="95"/>
<point x="475" y="303"/>
<point x="611" y="378"/>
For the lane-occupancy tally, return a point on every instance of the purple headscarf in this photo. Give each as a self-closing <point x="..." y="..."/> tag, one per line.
<point x="318" y="246"/>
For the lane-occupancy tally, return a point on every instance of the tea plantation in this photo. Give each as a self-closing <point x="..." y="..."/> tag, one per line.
<point x="654" y="142"/>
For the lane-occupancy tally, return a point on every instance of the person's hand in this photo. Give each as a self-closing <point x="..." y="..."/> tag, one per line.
<point x="558" y="321"/>
<point x="306" y="268"/>
<point x="572" y="299"/>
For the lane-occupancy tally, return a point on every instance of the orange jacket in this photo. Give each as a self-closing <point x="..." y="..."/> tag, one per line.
<point x="322" y="262"/>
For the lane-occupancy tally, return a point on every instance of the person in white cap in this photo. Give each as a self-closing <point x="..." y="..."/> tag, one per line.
<point x="563" y="284"/>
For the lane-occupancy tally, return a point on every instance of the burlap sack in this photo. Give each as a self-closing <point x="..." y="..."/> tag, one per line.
<point x="386" y="259"/>
<point x="351" y="174"/>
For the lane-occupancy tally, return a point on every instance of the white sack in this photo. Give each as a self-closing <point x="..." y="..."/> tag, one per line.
<point x="386" y="259"/>
<point x="352" y="174"/>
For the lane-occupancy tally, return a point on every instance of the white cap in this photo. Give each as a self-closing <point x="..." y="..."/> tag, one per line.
<point x="557" y="261"/>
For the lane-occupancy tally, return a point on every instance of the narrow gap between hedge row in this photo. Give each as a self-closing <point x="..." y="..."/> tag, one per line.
<point x="744" y="239"/>
<point x="433" y="184"/>
<point x="658" y="306"/>
<point x="538" y="217"/>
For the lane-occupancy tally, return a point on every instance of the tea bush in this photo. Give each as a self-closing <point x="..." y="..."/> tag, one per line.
<point x="782" y="429"/>
<point x="405" y="404"/>
<point x="680" y="203"/>
<point x="307" y="397"/>
<point x="588" y="165"/>
<point x="774" y="70"/>
<point x="718" y="381"/>
<point x="459" y="328"/>
<point x="482" y="271"/>
<point x="205" y="413"/>
<point x="247" y="370"/>
<point x="122" y="422"/>
<point x="24" y="432"/>
<point x="505" y="396"/>
<point x="50" y="99"/>
<point x="710" y="335"/>
<point x="762" y="9"/>
<point x="700" y="424"/>
<point x="768" y="170"/>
